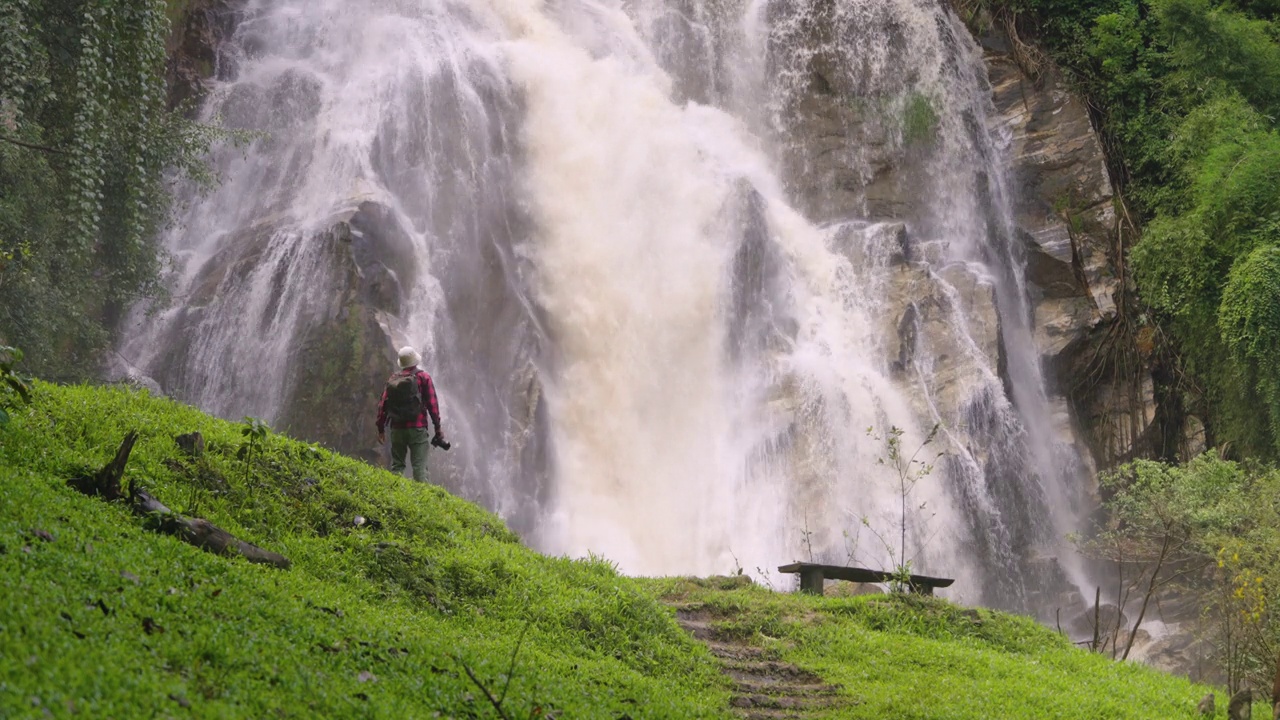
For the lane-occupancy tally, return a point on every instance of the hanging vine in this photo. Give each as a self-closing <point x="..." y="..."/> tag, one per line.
<point x="87" y="143"/>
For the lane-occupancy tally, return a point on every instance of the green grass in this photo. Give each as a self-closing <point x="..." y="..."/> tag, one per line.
<point x="923" y="658"/>
<point x="110" y="620"/>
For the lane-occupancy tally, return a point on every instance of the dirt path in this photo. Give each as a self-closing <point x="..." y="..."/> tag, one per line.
<point x="763" y="688"/>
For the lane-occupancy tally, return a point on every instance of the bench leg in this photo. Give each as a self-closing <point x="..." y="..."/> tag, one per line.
<point x="811" y="581"/>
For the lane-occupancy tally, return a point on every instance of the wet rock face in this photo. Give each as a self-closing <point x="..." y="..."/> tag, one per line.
<point x="861" y="139"/>
<point x="840" y="157"/>
<point x="1064" y="205"/>
<point x="1066" y="220"/>
<point x="342" y="350"/>
<point x="759" y="282"/>
<point x="850" y="152"/>
<point x="345" y="351"/>
<point x="194" y="42"/>
<point x="306" y="282"/>
<point x="924" y="306"/>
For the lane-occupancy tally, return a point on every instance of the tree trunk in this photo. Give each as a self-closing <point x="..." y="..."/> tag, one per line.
<point x="1275" y="692"/>
<point x="106" y="482"/>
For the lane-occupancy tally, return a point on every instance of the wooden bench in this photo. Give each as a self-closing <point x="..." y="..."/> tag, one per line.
<point x="812" y="575"/>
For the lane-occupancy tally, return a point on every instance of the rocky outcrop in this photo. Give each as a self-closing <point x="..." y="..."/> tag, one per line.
<point x="840" y="157"/>
<point x="863" y="140"/>
<point x="199" y="29"/>
<point x="342" y="350"/>
<point x="923" y="302"/>
<point x="1066" y="214"/>
<point x="1064" y="203"/>
<point x="345" y="351"/>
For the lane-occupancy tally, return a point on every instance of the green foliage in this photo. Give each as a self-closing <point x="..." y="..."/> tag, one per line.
<point x="14" y="389"/>
<point x="905" y="656"/>
<point x="1218" y="524"/>
<point x="255" y="433"/>
<point x="1203" y="498"/>
<point x="378" y="620"/>
<point x="1250" y="323"/>
<point x="1221" y="45"/>
<point x="86" y="138"/>
<point x="1188" y="92"/>
<point x="1125" y="68"/>
<point x="1204" y="264"/>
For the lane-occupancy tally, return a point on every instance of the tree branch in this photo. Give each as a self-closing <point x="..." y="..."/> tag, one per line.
<point x="199" y="532"/>
<point x="32" y="146"/>
<point x="1151" y="589"/>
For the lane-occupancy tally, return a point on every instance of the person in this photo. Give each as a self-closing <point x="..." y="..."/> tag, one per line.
<point x="408" y="401"/>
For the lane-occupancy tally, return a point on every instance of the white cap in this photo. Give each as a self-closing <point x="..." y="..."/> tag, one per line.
<point x="409" y="357"/>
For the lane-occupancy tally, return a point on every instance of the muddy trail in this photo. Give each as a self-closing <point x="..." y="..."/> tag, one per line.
<point x="763" y="687"/>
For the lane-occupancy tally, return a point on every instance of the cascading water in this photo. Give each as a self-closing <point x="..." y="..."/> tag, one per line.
<point x="904" y="83"/>
<point x="647" y="251"/>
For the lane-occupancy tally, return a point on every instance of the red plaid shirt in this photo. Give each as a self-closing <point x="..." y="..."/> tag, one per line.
<point x="429" y="405"/>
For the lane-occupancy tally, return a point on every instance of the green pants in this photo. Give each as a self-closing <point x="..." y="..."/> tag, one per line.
<point x="415" y="441"/>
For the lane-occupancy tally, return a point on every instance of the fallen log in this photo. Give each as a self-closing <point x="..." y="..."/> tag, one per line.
<point x="199" y="532"/>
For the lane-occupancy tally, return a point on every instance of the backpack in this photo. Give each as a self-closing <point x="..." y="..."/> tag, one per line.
<point x="404" y="398"/>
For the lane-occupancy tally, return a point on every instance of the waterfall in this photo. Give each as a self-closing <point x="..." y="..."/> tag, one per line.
<point x="678" y="267"/>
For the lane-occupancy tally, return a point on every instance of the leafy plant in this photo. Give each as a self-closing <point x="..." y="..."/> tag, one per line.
<point x="1249" y="320"/>
<point x="255" y="433"/>
<point x="89" y="151"/>
<point x="14" y="389"/>
<point x="1207" y="530"/>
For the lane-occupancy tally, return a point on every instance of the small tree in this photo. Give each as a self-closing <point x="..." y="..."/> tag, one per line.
<point x="1210" y="528"/>
<point x="255" y="434"/>
<point x="908" y="470"/>
<point x="1151" y="538"/>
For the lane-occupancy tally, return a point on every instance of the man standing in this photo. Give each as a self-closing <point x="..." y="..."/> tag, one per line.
<point x="407" y="402"/>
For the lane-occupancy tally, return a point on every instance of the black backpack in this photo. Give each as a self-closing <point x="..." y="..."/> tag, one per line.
<point x="404" y="398"/>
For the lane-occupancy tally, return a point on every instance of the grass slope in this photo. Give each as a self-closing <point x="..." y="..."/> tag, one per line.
<point x="921" y="658"/>
<point x="108" y="619"/>
<point x="111" y="620"/>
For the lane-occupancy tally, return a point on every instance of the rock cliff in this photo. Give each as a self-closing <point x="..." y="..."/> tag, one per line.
<point x="1066" y="211"/>
<point x="860" y="140"/>
<point x="1073" y="227"/>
